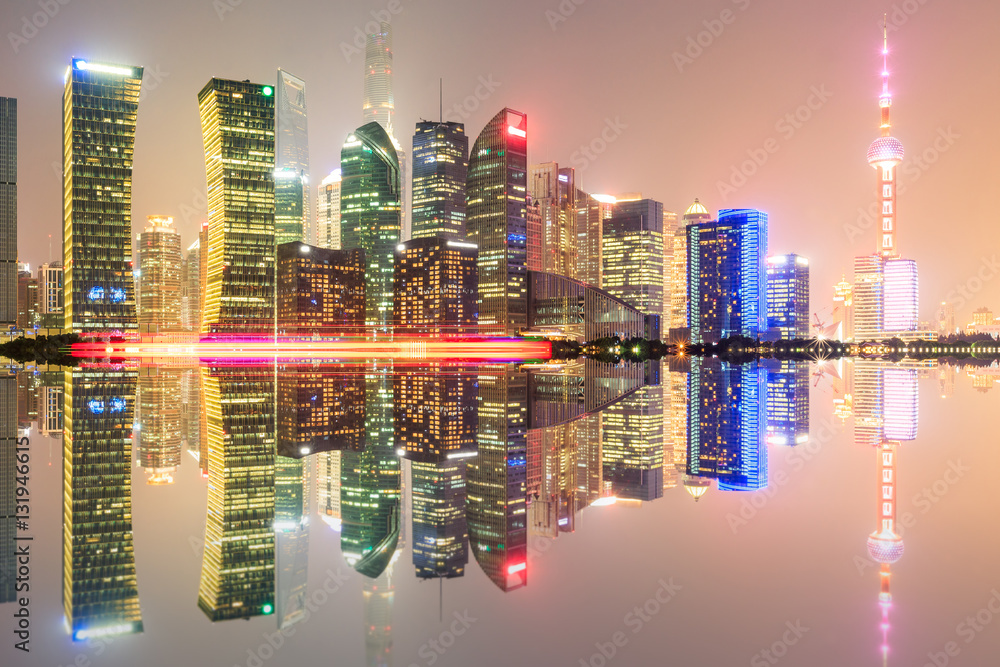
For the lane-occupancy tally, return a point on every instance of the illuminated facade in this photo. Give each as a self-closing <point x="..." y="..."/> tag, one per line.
<point x="533" y="231"/>
<point x="435" y="414"/>
<point x="100" y="590"/>
<point x="497" y="477"/>
<point x="291" y="155"/>
<point x="159" y="419"/>
<point x="633" y="255"/>
<point x="563" y="306"/>
<point x="867" y="297"/>
<point x="370" y="500"/>
<point x="727" y="283"/>
<point x="900" y="301"/>
<point x="159" y="276"/>
<point x="191" y="288"/>
<point x="289" y="206"/>
<point x="440" y="168"/>
<point x="237" y="123"/>
<point x="100" y="101"/>
<point x="328" y="488"/>
<point x="27" y="300"/>
<point x="370" y="201"/>
<point x="495" y="221"/>
<point x="554" y="190"/>
<point x="591" y="212"/>
<point x="320" y="410"/>
<point x="435" y="287"/>
<point x="843" y="310"/>
<point x="632" y="444"/>
<point x="50" y="295"/>
<point x="440" y="531"/>
<point x="8" y="211"/>
<point x="788" y="403"/>
<point x="328" y="212"/>
<point x="695" y="214"/>
<point x="727" y="424"/>
<point x="320" y="292"/>
<point x="237" y="570"/>
<point x="788" y="295"/>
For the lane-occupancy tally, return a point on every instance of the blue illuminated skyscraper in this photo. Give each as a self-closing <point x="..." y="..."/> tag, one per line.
<point x="727" y="283"/>
<point x="727" y="424"/>
<point x="787" y="403"/>
<point x="788" y="295"/>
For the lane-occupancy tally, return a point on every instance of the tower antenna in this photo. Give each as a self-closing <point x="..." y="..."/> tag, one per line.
<point x="441" y="99"/>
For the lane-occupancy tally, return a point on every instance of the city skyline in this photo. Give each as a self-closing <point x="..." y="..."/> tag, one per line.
<point x="856" y="74"/>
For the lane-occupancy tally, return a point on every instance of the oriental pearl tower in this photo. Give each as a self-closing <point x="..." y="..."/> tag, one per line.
<point x="885" y="544"/>
<point x="885" y="154"/>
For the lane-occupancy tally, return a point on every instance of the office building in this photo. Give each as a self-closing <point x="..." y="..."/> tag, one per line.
<point x="435" y="287"/>
<point x="320" y="292"/>
<point x="27" y="300"/>
<point x="440" y="529"/>
<point x="8" y="211"/>
<point x="328" y="212"/>
<point x="370" y="215"/>
<point x="191" y="288"/>
<point x="440" y="169"/>
<point x="632" y="444"/>
<point x="159" y="276"/>
<point x="158" y="401"/>
<point x="591" y="212"/>
<point x="50" y="296"/>
<point x="554" y="190"/>
<point x="495" y="221"/>
<point x="291" y="156"/>
<point x="633" y="255"/>
<point x="788" y="403"/>
<point x="290" y="202"/>
<point x="788" y="296"/>
<point x="100" y="101"/>
<point x="727" y="283"/>
<point x="320" y="410"/>
<point x="237" y="123"/>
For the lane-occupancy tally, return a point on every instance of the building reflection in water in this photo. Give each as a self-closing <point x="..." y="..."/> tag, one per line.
<point x="237" y="574"/>
<point x="100" y="591"/>
<point x="158" y="401"/>
<point x="8" y="474"/>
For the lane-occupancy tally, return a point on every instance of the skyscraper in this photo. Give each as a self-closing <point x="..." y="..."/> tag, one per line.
<point x="159" y="276"/>
<point x="27" y="300"/>
<point x="370" y="215"/>
<point x="727" y="283"/>
<point x="328" y="212"/>
<point x="159" y="418"/>
<point x="237" y="124"/>
<point x="495" y="220"/>
<point x="291" y="144"/>
<point x="435" y="287"/>
<point x="100" y="590"/>
<point x="591" y="212"/>
<point x="867" y="297"/>
<point x="554" y="189"/>
<point x="695" y="214"/>
<point x="320" y="410"/>
<point x="50" y="295"/>
<point x="632" y="444"/>
<point x="191" y="288"/>
<point x="633" y="255"/>
<point x="237" y="571"/>
<point x="788" y="295"/>
<point x="100" y="101"/>
<point x="290" y="221"/>
<point x="320" y="292"/>
<point x="440" y="169"/>
<point x="8" y="211"/>
<point x="787" y="403"/>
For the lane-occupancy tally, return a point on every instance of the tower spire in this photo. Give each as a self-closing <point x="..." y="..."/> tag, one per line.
<point x="885" y="99"/>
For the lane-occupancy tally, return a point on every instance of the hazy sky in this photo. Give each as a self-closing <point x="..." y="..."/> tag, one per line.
<point x="683" y="92"/>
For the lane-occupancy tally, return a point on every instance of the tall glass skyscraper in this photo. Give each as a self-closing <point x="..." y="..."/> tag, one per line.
<point x="100" y="590"/>
<point x="788" y="403"/>
<point x="554" y="190"/>
<point x="289" y="205"/>
<point x="328" y="212"/>
<point x="379" y="104"/>
<point x="495" y="221"/>
<point x="788" y="295"/>
<point x="727" y="283"/>
<point x="900" y="296"/>
<point x="158" y="413"/>
<point x="100" y="101"/>
<point x="291" y="144"/>
<point x="440" y="169"/>
<point x="370" y="215"/>
<point x="8" y="211"/>
<point x="237" y="123"/>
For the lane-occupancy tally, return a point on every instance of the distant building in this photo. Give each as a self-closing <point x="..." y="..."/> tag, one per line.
<point x="533" y="230"/>
<point x="320" y="292"/>
<point x="983" y="317"/>
<point x="50" y="295"/>
<point x="495" y="220"/>
<point x="27" y="300"/>
<point x="159" y="276"/>
<point x="239" y="294"/>
<point x="328" y="212"/>
<point x="8" y="211"/>
<point x="788" y="295"/>
<point x="435" y="287"/>
<point x="945" y="318"/>
<point x="291" y="155"/>
<point x="191" y="288"/>
<point x="440" y="169"/>
<point x="633" y="255"/>
<point x="727" y="283"/>
<point x="100" y="102"/>
<point x="159" y="419"/>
